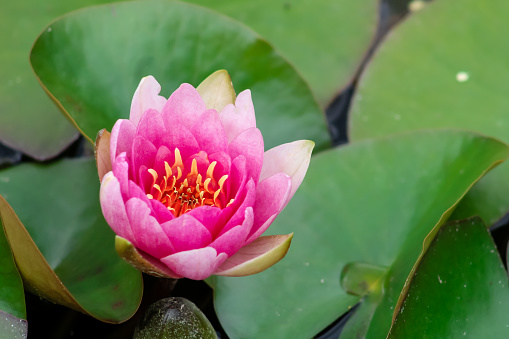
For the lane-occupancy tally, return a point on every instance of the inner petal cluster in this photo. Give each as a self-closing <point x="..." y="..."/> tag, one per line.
<point x="182" y="189"/>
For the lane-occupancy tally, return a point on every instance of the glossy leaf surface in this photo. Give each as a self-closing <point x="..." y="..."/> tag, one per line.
<point x="363" y="203"/>
<point x="77" y="264"/>
<point x="30" y="122"/>
<point x="444" y="66"/>
<point x="12" y="297"/>
<point x="94" y="75"/>
<point x="459" y="290"/>
<point x="307" y="33"/>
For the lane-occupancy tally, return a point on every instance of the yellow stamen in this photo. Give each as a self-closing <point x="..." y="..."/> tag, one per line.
<point x="210" y="170"/>
<point x="153" y="172"/>
<point x="178" y="159"/>
<point x="221" y="181"/>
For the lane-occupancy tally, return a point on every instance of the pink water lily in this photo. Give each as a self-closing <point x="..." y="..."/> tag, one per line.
<point x="189" y="191"/>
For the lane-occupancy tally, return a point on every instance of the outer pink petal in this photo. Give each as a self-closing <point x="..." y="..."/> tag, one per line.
<point x="271" y="196"/>
<point x="122" y="136"/>
<point x="151" y="127"/>
<point x="209" y="132"/>
<point x="236" y="119"/>
<point x="195" y="264"/>
<point x="231" y="241"/>
<point x="185" y="104"/>
<point x="145" y="97"/>
<point x="148" y="233"/>
<point x="121" y="172"/>
<point x="292" y="158"/>
<point x="257" y="256"/>
<point x="113" y="207"/>
<point x="250" y="144"/>
<point x="186" y="233"/>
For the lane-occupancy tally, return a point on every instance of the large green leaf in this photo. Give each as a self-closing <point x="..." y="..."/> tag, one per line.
<point x="29" y="121"/>
<point x="12" y="297"/>
<point x="68" y="253"/>
<point x="93" y="75"/>
<point x="445" y="66"/>
<point x="459" y="288"/>
<point x="362" y="203"/>
<point x="315" y="36"/>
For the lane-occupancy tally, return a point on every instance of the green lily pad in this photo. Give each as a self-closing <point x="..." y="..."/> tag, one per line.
<point x="444" y="66"/>
<point x="30" y="122"/>
<point x="307" y="33"/>
<point x="93" y="75"/>
<point x="459" y="288"/>
<point x="12" y="297"/>
<point x="362" y="203"/>
<point x="61" y="243"/>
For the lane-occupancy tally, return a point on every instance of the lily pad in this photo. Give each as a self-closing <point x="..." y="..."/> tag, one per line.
<point x="30" y="122"/>
<point x="459" y="288"/>
<point x="444" y="66"/>
<point x="12" y="297"/>
<point x="61" y="243"/>
<point x="12" y="327"/>
<point x="307" y="33"/>
<point x="362" y="203"/>
<point x="92" y="76"/>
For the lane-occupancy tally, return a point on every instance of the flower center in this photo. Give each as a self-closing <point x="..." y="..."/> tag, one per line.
<point x="181" y="194"/>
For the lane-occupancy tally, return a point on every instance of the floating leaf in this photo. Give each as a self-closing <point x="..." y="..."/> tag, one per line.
<point x="30" y="122"/>
<point x="93" y="75"/>
<point x="445" y="66"/>
<point x="459" y="288"/>
<point x="363" y="203"/>
<point x="61" y="243"/>
<point x="308" y="35"/>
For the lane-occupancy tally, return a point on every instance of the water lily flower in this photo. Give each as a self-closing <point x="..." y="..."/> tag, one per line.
<point x="189" y="191"/>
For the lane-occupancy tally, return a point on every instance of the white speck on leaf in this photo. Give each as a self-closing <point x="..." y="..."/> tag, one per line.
<point x="462" y="76"/>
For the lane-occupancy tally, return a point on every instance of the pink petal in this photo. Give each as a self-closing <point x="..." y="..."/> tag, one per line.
<point x="143" y="153"/>
<point x="113" y="207"/>
<point x="292" y="158"/>
<point x="195" y="264"/>
<point x="186" y="233"/>
<point x="209" y="132"/>
<point x="257" y="256"/>
<point x="236" y="119"/>
<point x="250" y="144"/>
<point x="122" y="136"/>
<point x="121" y="172"/>
<point x="135" y="191"/>
<point x="206" y="215"/>
<point x="230" y="242"/>
<point x="145" y="97"/>
<point x="271" y="196"/>
<point x="224" y="162"/>
<point x="160" y="211"/>
<point x="102" y="153"/>
<point x="185" y="104"/>
<point x="151" y="127"/>
<point x="163" y="154"/>
<point x="178" y="136"/>
<point x="234" y="214"/>
<point x="148" y="233"/>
